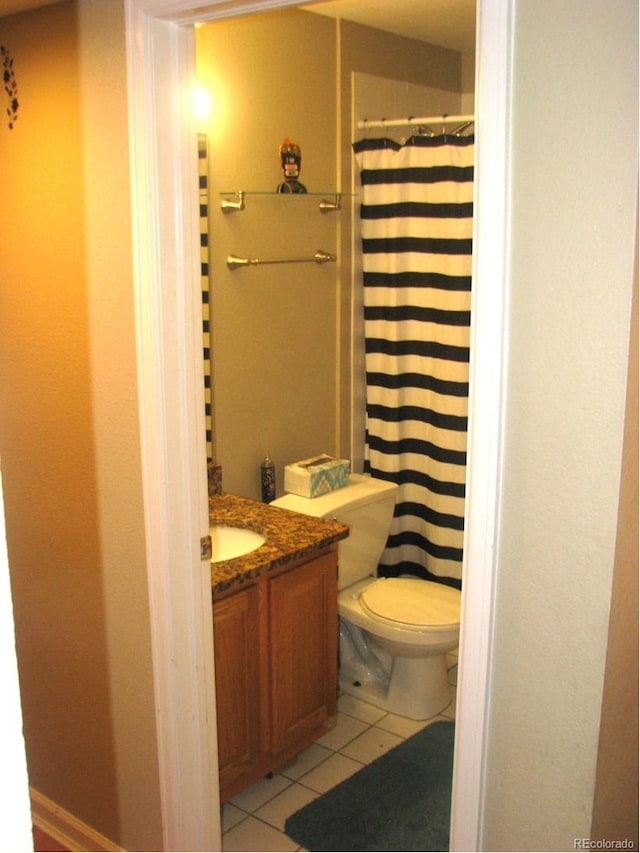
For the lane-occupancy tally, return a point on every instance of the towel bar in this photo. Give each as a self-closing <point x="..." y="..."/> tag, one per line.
<point x="320" y="257"/>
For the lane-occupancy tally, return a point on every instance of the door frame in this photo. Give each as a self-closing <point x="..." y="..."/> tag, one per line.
<point x="161" y="71"/>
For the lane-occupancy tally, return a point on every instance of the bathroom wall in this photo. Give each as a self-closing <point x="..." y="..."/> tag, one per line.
<point x="468" y="100"/>
<point x="574" y="149"/>
<point x="69" y="438"/>
<point x="281" y="335"/>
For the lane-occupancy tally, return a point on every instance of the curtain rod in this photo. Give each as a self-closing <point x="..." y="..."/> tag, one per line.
<point x="411" y="120"/>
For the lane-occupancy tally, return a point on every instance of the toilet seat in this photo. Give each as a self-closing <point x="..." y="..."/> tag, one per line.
<point x="412" y="603"/>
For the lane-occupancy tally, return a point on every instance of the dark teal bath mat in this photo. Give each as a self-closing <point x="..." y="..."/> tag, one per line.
<point x="400" y="802"/>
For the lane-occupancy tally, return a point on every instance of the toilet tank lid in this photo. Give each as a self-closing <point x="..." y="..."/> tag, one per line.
<point x="361" y="489"/>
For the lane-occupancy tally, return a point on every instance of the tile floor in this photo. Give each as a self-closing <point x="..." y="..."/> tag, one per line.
<point x="254" y="819"/>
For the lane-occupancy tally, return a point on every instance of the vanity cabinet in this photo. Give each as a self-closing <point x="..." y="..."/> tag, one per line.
<point x="276" y="668"/>
<point x="240" y="679"/>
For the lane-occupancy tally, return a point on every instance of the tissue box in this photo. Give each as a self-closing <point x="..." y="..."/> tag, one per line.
<point x="313" y="477"/>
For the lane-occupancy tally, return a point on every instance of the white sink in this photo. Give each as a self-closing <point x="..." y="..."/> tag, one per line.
<point x="229" y="542"/>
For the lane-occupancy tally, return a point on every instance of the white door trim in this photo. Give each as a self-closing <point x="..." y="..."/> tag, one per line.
<point x="487" y="391"/>
<point x="171" y="404"/>
<point x="165" y="228"/>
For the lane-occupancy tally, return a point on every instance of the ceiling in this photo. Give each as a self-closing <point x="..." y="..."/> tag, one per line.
<point x="448" y="23"/>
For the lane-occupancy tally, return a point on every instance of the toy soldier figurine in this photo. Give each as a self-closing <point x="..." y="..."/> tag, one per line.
<point x="290" y="158"/>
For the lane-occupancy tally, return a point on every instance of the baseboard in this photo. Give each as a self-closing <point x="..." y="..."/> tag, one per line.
<point x="65" y="828"/>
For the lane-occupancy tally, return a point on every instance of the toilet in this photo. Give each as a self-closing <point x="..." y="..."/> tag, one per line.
<point x="394" y="632"/>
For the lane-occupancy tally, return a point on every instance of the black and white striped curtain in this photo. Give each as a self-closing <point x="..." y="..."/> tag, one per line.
<point x="416" y="222"/>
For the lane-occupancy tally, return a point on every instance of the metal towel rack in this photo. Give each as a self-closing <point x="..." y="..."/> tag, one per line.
<point x="320" y="257"/>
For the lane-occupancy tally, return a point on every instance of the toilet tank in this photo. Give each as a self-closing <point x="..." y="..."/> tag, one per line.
<point x="366" y="505"/>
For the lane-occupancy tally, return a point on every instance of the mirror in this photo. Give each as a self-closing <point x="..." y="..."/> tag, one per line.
<point x="286" y="350"/>
<point x="203" y="190"/>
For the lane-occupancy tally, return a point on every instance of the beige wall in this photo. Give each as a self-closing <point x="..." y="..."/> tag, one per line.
<point x="574" y="177"/>
<point x="69" y="430"/>
<point x="281" y="335"/>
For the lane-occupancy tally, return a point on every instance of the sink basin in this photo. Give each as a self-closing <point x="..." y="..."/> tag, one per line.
<point x="228" y="542"/>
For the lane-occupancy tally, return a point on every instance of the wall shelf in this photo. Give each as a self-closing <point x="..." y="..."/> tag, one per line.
<point x="235" y="200"/>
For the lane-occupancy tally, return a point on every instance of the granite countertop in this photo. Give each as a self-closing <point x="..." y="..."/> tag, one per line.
<point x="288" y="536"/>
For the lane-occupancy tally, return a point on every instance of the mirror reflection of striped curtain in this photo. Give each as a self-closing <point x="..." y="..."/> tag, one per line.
<point x="416" y="223"/>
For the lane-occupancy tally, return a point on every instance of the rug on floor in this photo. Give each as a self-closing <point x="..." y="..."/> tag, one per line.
<point x="400" y="802"/>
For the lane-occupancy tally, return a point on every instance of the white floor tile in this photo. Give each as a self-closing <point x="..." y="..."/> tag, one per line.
<point x="355" y="707"/>
<point x="277" y="810"/>
<point x="306" y="761"/>
<point x="254" y="819"/>
<point x="346" y="729"/>
<point x="254" y="835"/>
<point x="402" y="726"/>
<point x="330" y="773"/>
<point x="231" y="816"/>
<point x="260" y="792"/>
<point x="371" y="744"/>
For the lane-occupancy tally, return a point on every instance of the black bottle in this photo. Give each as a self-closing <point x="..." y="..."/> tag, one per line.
<point x="268" y="479"/>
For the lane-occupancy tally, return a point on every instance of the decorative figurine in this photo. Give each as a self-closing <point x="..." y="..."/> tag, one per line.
<point x="290" y="159"/>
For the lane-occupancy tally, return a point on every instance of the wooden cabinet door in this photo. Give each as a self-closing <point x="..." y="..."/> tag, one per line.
<point x="236" y="626"/>
<point x="303" y="631"/>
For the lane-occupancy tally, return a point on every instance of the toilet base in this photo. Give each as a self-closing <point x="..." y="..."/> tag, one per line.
<point x="418" y="688"/>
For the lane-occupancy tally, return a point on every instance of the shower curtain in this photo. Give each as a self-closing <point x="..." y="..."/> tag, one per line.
<point x="416" y="225"/>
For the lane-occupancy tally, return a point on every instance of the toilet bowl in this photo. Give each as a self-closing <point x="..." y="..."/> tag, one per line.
<point x="394" y="632"/>
<point x="409" y="625"/>
<point x="405" y="616"/>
